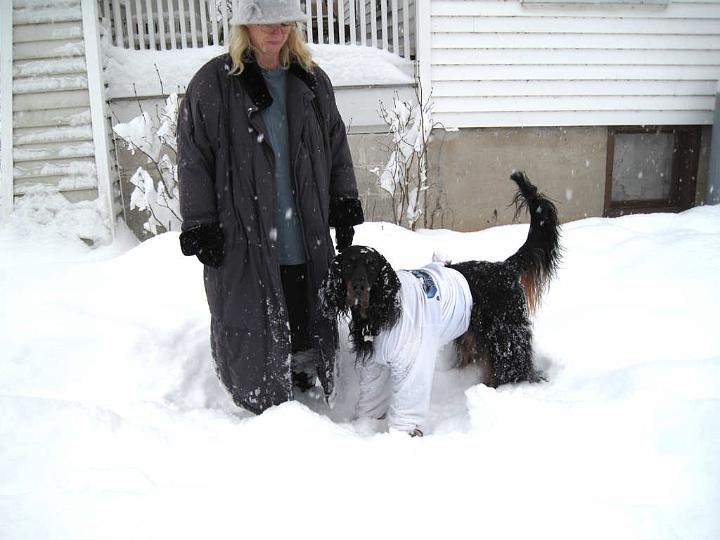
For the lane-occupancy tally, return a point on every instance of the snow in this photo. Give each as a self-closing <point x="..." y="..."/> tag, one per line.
<point x="113" y="423"/>
<point x="128" y="72"/>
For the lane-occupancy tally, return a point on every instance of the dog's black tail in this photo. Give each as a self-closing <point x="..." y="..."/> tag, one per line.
<point x="538" y="258"/>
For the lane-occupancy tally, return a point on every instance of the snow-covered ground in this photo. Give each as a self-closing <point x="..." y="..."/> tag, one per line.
<point x="113" y="424"/>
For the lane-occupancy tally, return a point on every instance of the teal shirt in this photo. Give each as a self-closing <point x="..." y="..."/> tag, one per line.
<point x="289" y="244"/>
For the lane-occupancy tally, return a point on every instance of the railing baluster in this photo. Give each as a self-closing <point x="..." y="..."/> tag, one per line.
<point x="225" y="24"/>
<point x="395" y="25"/>
<point x="140" y="25"/>
<point x="203" y="22"/>
<point x="150" y="18"/>
<point x="406" y="29"/>
<point x="321" y="31"/>
<point x="353" y="30"/>
<point x="130" y="25"/>
<point x="331" y="26"/>
<point x="183" y="29"/>
<point x="363" y="24"/>
<point x="341" y="22"/>
<point x="119" y="38"/>
<point x="213" y="20"/>
<point x="171" y="24"/>
<point x="193" y="25"/>
<point x="161" y="25"/>
<point x="384" y="23"/>
<point x="308" y="22"/>
<point x="373" y="24"/>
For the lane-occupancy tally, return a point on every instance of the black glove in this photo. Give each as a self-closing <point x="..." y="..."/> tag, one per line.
<point x="344" y="236"/>
<point x="206" y="242"/>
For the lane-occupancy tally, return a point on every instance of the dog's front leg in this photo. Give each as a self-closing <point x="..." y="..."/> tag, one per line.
<point x="411" y="389"/>
<point x="374" y="390"/>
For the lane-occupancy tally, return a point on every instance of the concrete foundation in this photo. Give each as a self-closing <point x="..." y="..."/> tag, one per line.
<point x="469" y="173"/>
<point x="469" y="170"/>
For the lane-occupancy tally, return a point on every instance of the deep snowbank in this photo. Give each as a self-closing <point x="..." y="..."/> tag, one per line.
<point x="113" y="424"/>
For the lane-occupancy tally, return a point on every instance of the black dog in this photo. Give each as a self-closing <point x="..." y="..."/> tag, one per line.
<point x="498" y="334"/>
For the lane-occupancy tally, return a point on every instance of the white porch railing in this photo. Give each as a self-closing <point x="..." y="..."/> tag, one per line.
<point x="179" y="24"/>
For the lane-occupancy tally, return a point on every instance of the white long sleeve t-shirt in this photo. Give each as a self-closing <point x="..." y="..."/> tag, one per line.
<point x="397" y="379"/>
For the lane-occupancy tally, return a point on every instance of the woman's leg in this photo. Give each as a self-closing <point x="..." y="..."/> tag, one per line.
<point x="296" y="298"/>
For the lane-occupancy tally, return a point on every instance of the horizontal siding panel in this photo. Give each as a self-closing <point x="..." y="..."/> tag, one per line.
<point x="524" y="72"/>
<point x="74" y="191"/>
<point x="467" y="40"/>
<point x="50" y="151"/>
<point x="675" y="10"/>
<point x="55" y="100"/>
<point x="573" y="56"/>
<point x="83" y="169"/>
<point x="571" y="118"/>
<point x="80" y="195"/>
<point x="40" y="68"/>
<point x="48" y="50"/>
<point x="573" y="103"/>
<point x="72" y="116"/>
<point x="573" y="88"/>
<point x="52" y="135"/>
<point x="34" y="15"/>
<point x="49" y="84"/>
<point x="57" y="31"/>
<point x="575" y="25"/>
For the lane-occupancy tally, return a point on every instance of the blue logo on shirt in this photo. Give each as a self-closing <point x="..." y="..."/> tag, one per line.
<point x="428" y="284"/>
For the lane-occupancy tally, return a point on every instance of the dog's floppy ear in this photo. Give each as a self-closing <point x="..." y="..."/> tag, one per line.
<point x="384" y="303"/>
<point x="332" y="292"/>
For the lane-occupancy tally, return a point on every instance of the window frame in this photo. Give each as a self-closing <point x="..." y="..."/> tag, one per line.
<point x="686" y="153"/>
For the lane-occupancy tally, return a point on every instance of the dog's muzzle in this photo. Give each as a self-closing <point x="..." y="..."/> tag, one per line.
<point x="358" y="296"/>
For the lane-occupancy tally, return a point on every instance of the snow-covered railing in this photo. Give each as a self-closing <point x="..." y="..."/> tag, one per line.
<point x="180" y="24"/>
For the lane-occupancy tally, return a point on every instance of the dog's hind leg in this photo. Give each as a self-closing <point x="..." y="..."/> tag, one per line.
<point x="466" y="349"/>
<point x="510" y="353"/>
<point x="469" y="353"/>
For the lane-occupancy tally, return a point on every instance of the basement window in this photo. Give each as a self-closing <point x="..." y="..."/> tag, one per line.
<point x="651" y="169"/>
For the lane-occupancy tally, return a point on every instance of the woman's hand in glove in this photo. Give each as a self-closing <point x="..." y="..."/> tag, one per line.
<point x="206" y="242"/>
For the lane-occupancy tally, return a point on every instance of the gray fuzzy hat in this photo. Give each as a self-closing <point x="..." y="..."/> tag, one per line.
<point x="266" y="11"/>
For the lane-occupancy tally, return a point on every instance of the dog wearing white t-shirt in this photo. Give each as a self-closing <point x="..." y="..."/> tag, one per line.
<point x="400" y="319"/>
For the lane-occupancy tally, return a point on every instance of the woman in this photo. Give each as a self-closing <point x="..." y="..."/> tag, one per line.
<point x="265" y="170"/>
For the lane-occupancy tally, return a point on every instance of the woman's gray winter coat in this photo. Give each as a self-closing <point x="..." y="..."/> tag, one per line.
<point x="226" y="174"/>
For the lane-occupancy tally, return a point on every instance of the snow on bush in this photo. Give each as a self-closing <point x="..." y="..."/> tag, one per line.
<point x="405" y="174"/>
<point x="156" y="140"/>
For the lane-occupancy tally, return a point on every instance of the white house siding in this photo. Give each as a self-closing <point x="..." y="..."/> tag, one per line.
<point x="52" y="135"/>
<point x="502" y="63"/>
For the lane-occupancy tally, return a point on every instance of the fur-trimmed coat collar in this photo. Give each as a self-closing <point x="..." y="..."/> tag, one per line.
<point x="254" y="83"/>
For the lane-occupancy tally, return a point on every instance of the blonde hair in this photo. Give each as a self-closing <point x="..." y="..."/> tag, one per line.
<point x="294" y="49"/>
